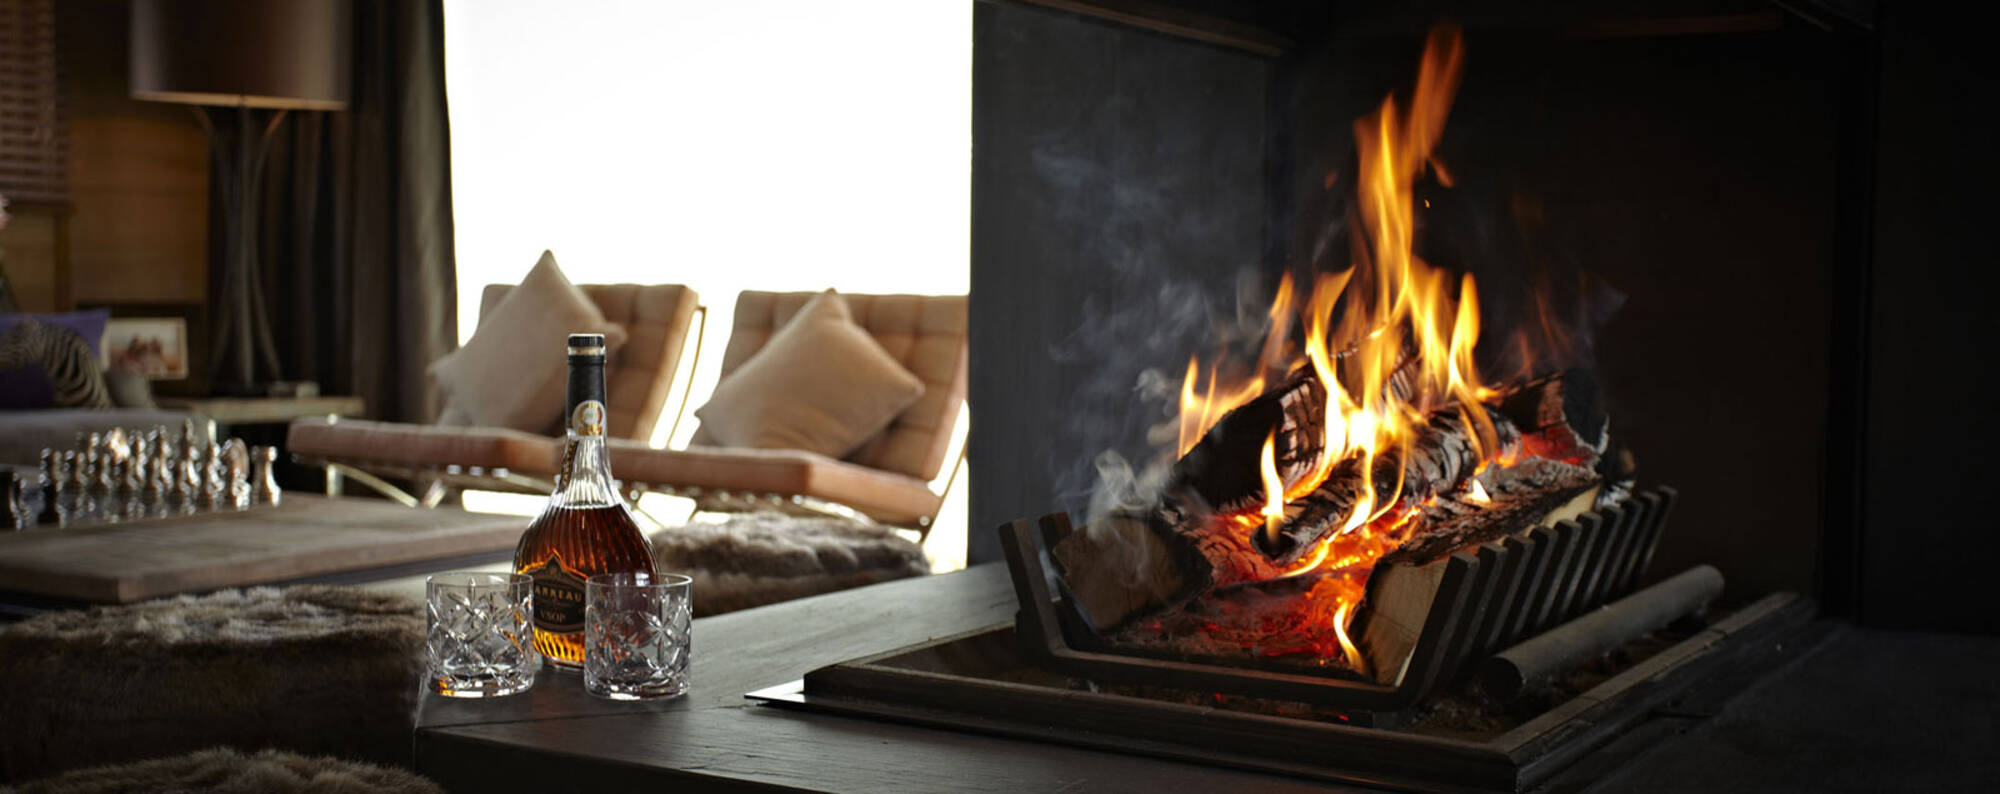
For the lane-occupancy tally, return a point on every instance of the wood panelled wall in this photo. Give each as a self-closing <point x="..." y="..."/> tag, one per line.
<point x="138" y="208"/>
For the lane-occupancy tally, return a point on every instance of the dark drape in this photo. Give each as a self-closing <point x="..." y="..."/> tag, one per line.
<point x="355" y="229"/>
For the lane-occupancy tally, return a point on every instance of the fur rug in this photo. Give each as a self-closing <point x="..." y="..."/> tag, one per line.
<point x="321" y="670"/>
<point x="225" y="771"/>
<point x="754" y="559"/>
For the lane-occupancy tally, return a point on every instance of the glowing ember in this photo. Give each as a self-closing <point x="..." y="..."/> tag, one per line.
<point x="1477" y="494"/>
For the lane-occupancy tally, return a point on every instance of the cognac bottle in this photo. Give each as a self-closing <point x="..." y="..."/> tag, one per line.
<point x="585" y="530"/>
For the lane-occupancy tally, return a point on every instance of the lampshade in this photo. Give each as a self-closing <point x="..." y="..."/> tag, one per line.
<point x="262" y="54"/>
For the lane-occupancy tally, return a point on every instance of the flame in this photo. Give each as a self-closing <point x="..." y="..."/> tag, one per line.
<point x="1391" y="337"/>
<point x="1274" y="486"/>
<point x="1347" y="649"/>
<point x="1477" y="494"/>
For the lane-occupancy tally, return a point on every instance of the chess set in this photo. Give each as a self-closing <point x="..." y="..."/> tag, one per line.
<point x="126" y="475"/>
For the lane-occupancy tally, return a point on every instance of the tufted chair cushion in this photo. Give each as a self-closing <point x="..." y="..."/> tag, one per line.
<point x="641" y="373"/>
<point x="925" y="333"/>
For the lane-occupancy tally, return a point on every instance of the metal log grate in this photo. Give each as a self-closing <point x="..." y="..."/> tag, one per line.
<point x="1487" y="598"/>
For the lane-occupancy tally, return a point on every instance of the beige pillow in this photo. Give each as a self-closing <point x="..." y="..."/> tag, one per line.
<point x="513" y="372"/>
<point x="822" y="384"/>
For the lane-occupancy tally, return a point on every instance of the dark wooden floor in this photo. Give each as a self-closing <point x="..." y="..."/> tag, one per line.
<point x="1870" y="711"/>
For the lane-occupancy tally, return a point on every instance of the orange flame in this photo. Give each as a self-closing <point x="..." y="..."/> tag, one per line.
<point x="1391" y="338"/>
<point x="1274" y="486"/>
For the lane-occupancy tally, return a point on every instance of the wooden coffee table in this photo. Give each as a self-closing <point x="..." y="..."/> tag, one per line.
<point x="1822" y="720"/>
<point x="306" y="539"/>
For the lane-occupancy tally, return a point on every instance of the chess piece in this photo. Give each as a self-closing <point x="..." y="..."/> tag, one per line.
<point x="187" y="474"/>
<point x="155" y="485"/>
<point x="104" y="482"/>
<point x="191" y="449"/>
<point x="73" y="504"/>
<point x="265" y="478"/>
<point x="236" y="478"/>
<point x="11" y="515"/>
<point x="131" y="483"/>
<point x="208" y="477"/>
<point x="134" y="469"/>
<point x="166" y="450"/>
<point x="174" y="479"/>
<point x="91" y="456"/>
<point x="52" y="474"/>
<point x="117" y="444"/>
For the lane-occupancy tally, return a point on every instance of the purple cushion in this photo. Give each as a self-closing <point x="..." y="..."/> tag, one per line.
<point x="38" y="353"/>
<point x="88" y="324"/>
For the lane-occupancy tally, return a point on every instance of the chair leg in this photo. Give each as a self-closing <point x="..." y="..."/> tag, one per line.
<point x="657" y="523"/>
<point x="373" y="482"/>
<point x="436" y="493"/>
<point x="632" y="498"/>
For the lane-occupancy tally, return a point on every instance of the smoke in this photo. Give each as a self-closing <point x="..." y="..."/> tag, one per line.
<point x="1170" y="223"/>
<point x="1136" y="351"/>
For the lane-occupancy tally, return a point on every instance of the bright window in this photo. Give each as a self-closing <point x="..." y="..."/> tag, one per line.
<point x="754" y="144"/>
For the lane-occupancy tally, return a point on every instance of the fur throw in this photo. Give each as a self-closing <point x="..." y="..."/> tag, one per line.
<point x="754" y="559"/>
<point x="225" y="771"/>
<point x="322" y="670"/>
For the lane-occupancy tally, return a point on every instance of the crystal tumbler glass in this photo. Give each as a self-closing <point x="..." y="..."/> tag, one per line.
<point x="635" y="635"/>
<point x="481" y="636"/>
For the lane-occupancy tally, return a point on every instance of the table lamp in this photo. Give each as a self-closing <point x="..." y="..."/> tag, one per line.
<point x="255" y="61"/>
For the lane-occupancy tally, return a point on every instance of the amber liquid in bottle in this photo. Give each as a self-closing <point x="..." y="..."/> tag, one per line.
<point x="586" y="529"/>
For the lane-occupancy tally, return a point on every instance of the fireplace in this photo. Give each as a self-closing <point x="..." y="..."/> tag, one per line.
<point x="1131" y="186"/>
<point x="1396" y="523"/>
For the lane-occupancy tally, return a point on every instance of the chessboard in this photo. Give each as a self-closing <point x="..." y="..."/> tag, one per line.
<point x="305" y="537"/>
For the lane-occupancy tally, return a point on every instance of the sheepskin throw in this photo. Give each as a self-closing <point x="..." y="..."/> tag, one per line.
<point x="225" y="771"/>
<point x="320" y="670"/>
<point x="754" y="559"/>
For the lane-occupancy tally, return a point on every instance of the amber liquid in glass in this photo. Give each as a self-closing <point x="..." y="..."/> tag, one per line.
<point x="586" y="529"/>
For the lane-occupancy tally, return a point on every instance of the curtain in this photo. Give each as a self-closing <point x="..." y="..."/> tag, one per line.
<point x="355" y="222"/>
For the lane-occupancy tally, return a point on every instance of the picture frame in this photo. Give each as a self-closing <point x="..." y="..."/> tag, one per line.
<point x="168" y="342"/>
<point x="156" y="347"/>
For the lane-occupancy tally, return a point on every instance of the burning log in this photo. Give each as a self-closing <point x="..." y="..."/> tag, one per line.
<point x="1535" y="492"/>
<point x="1219" y="473"/>
<point x="1304" y="617"/>
<point x="1561" y="414"/>
<point x="1134" y="564"/>
<point x="1567" y="413"/>
<point x="1126" y="564"/>
<point x="1441" y="456"/>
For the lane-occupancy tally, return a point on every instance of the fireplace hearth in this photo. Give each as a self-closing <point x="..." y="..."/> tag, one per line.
<point x="996" y="681"/>
<point x="1497" y="665"/>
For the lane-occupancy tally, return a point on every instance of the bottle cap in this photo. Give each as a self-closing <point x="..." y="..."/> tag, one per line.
<point x="586" y="344"/>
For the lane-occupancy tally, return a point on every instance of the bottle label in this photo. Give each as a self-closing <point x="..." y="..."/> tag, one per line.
<point x="587" y="418"/>
<point x="558" y="596"/>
